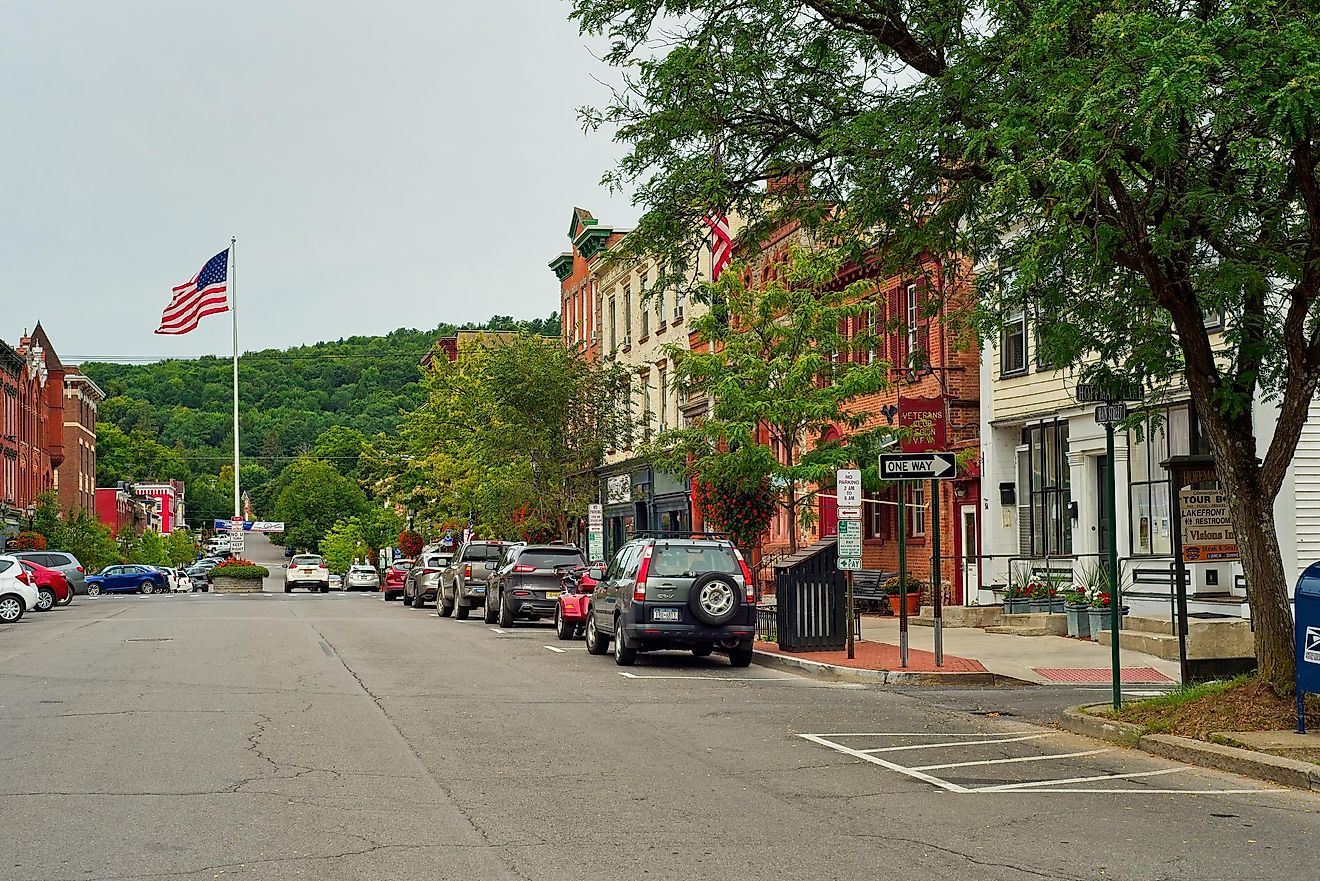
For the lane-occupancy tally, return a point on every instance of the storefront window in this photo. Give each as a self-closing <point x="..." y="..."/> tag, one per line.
<point x="1164" y="432"/>
<point x="1048" y="491"/>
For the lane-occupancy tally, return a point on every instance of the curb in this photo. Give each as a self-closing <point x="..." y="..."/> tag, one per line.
<point x="836" y="673"/>
<point x="1244" y="762"/>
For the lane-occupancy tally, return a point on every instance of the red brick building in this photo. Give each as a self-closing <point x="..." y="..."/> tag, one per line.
<point x="579" y="297"/>
<point x="121" y="511"/>
<point x="31" y="423"/>
<point x="76" y="477"/>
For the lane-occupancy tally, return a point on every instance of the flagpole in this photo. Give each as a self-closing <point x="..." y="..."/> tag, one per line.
<point x="233" y="312"/>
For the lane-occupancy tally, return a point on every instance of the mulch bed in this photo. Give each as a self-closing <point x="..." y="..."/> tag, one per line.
<point x="1245" y="707"/>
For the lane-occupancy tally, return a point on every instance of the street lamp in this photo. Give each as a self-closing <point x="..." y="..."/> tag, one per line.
<point x="31" y="515"/>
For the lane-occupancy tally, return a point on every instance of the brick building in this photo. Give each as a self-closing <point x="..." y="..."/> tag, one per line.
<point x="75" y="478"/>
<point x="31" y="423"/>
<point x="579" y="289"/>
<point x="123" y="512"/>
<point x="169" y="504"/>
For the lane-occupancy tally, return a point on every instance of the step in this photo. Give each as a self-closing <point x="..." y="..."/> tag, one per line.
<point x="961" y="616"/>
<point x="1037" y="624"/>
<point x="1206" y="640"/>
<point x="1144" y="624"/>
<point x="1161" y="645"/>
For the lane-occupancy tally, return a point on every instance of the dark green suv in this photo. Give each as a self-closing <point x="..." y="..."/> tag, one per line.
<point x="673" y="593"/>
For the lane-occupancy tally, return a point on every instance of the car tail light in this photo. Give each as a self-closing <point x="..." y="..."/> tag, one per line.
<point x="522" y="593"/>
<point x="524" y="568"/>
<point x="467" y="571"/>
<point x="639" y="587"/>
<point x="429" y="571"/>
<point x="23" y="577"/>
<point x="324" y="566"/>
<point x="80" y="569"/>
<point x="747" y="576"/>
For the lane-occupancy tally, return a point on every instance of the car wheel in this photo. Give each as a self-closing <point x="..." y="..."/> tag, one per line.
<point x="93" y="590"/>
<point x="45" y="599"/>
<point x="68" y="598"/>
<point x="288" y="588"/>
<point x="742" y="655"/>
<point x="325" y="589"/>
<point x="407" y="600"/>
<point x="563" y="628"/>
<point x="444" y="610"/>
<point x="623" y="656"/>
<point x="11" y="609"/>
<point x="714" y="598"/>
<point x="488" y="612"/>
<point x="596" y="642"/>
<point x="504" y="612"/>
<point x="702" y="651"/>
<point x="146" y="587"/>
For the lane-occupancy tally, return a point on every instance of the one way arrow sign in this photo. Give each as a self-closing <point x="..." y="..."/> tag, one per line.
<point x="918" y="466"/>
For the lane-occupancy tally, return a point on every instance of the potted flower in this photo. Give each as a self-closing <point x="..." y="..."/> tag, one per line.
<point x="238" y="576"/>
<point x="913" y="597"/>
<point x="1016" y="601"/>
<point x="1077" y="605"/>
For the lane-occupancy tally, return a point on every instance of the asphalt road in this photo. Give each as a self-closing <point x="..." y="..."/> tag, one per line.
<point x="337" y="737"/>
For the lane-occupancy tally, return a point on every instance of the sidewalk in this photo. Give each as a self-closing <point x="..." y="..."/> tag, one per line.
<point x="970" y="650"/>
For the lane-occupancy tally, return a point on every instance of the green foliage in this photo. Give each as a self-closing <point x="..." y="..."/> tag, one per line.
<point x="509" y="434"/>
<point x="1124" y="173"/>
<point x="315" y="497"/>
<point x="243" y="569"/>
<point x="148" y="549"/>
<point x="180" y="548"/>
<point x="772" y="362"/>
<point x="344" y="545"/>
<point x="76" y="532"/>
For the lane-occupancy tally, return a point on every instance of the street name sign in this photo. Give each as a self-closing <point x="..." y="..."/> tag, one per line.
<point x="848" y="487"/>
<point x="1106" y="393"/>
<point x="1108" y="414"/>
<point x="918" y="466"/>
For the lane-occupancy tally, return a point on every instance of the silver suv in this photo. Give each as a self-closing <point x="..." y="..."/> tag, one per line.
<point x="463" y="583"/>
<point x="61" y="560"/>
<point x="673" y="593"/>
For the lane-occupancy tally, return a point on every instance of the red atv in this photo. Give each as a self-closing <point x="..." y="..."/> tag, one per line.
<point x="571" y="613"/>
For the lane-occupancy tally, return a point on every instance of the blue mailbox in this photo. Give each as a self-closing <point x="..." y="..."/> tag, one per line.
<point x="1307" y="615"/>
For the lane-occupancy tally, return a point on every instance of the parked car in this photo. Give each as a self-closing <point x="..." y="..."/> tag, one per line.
<point x="395" y="575"/>
<point x="362" y="576"/>
<point x="528" y="582"/>
<point x="64" y="561"/>
<point x="309" y="571"/>
<point x="571" y="614"/>
<point x="288" y="552"/>
<point x="463" y="583"/>
<point x="423" y="579"/>
<point x="667" y="593"/>
<point x="199" y="576"/>
<point x="126" y="578"/>
<point x="17" y="593"/>
<point x="52" y="587"/>
<point x="182" y="582"/>
<point x="336" y="581"/>
<point x="171" y="578"/>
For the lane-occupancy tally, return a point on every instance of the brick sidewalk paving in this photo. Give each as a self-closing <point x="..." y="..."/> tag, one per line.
<point x="880" y="656"/>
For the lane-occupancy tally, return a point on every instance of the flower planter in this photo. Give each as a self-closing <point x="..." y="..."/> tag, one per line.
<point x="1017" y="606"/>
<point x="1057" y="606"/>
<point x="1079" y="620"/>
<point x="913" y="603"/>
<point x="223" y="584"/>
<point x="1100" y="619"/>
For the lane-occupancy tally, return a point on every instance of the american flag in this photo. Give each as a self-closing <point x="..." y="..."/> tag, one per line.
<point x="721" y="246"/>
<point x="206" y="294"/>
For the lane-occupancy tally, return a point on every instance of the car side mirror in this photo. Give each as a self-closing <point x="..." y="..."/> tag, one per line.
<point x="492" y="565"/>
<point x="596" y="573"/>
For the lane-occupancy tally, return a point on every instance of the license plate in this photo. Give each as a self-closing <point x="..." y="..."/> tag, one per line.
<point x="664" y="614"/>
<point x="477" y="589"/>
<point x="552" y="594"/>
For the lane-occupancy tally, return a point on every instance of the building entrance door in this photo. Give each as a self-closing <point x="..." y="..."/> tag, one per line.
<point x="1102" y="510"/>
<point x="971" y="569"/>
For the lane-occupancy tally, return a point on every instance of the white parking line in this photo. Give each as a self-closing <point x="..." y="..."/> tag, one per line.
<point x="1029" y="784"/>
<point x="556" y="649"/>
<point x="942" y="745"/>
<point x="907" y="772"/>
<point x="1045" y="758"/>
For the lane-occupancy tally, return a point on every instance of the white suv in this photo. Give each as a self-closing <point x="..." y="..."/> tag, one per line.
<point x="16" y="594"/>
<point x="309" y="571"/>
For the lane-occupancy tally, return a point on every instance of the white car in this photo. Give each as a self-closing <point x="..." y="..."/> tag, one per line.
<point x="309" y="571"/>
<point x="16" y="594"/>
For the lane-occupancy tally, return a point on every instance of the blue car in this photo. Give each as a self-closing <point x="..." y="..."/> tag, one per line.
<point x="126" y="578"/>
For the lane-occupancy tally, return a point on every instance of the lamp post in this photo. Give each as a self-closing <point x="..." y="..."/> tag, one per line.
<point x="31" y="515"/>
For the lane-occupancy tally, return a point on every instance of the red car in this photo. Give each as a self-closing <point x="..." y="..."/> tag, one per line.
<point x="52" y="587"/>
<point x="392" y="586"/>
<point x="571" y="614"/>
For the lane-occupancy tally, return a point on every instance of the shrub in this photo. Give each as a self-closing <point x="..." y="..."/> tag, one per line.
<point x="30" y="541"/>
<point x="410" y="544"/>
<point x="238" y="568"/>
<point x="914" y="585"/>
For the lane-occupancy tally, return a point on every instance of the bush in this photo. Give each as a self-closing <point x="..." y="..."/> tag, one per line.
<point x="410" y="544"/>
<point x="237" y="568"/>
<point x="914" y="585"/>
<point x="30" y="541"/>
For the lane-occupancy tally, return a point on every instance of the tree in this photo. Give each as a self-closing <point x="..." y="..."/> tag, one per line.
<point x="341" y="447"/>
<point x="87" y="539"/>
<point x="769" y="358"/>
<point x="1127" y="173"/>
<point x="343" y="545"/>
<point x="180" y="548"/>
<point x="314" y="499"/>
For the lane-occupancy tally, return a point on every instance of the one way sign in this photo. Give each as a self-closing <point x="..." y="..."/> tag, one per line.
<point x="918" y="466"/>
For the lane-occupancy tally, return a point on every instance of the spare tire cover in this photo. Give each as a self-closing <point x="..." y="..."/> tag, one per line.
<point x="714" y="598"/>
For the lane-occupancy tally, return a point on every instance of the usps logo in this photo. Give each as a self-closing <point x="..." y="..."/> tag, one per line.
<point x="1311" y="646"/>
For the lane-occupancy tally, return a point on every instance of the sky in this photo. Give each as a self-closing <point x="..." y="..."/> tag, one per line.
<point x="396" y="163"/>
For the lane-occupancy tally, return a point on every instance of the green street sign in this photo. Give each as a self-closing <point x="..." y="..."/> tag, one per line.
<point x="850" y="564"/>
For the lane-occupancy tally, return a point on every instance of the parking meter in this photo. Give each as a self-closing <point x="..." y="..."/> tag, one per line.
<point x="1307" y="623"/>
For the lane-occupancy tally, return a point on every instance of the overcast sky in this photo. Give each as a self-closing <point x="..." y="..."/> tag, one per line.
<point x="383" y="164"/>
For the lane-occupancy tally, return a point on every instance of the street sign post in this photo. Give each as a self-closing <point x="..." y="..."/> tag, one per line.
<point x="918" y="466"/>
<point x="934" y="466"/>
<point x="848" y="495"/>
<point x="1108" y="414"/>
<point x="595" y="533"/>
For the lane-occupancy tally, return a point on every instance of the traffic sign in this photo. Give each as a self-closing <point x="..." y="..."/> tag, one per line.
<point x="848" y="487"/>
<point x="1106" y="393"/>
<point x="918" y="466"/>
<point x="850" y="564"/>
<point x="850" y="538"/>
<point x="1108" y="414"/>
<point x="850" y="513"/>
